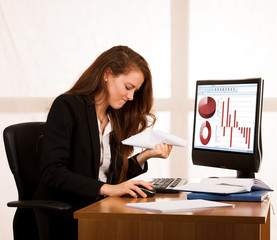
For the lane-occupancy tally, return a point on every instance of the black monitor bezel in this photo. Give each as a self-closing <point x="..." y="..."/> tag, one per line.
<point x="245" y="163"/>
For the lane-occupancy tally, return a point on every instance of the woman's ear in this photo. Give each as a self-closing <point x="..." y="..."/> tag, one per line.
<point x="108" y="72"/>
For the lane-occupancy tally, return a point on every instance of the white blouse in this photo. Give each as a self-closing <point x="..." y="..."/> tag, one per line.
<point x="105" y="150"/>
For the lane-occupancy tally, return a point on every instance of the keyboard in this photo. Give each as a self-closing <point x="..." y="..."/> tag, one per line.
<point x="166" y="185"/>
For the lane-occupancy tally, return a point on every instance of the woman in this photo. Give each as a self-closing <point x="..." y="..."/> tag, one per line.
<point x="82" y="157"/>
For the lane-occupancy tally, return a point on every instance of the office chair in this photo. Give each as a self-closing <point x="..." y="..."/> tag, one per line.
<point x="22" y="144"/>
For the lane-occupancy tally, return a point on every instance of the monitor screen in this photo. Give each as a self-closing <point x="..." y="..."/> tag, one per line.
<point x="227" y="124"/>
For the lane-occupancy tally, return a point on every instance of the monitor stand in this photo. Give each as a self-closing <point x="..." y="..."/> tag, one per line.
<point x="242" y="174"/>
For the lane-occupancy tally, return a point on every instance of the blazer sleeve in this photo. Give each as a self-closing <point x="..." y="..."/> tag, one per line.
<point x="134" y="168"/>
<point x="60" y="167"/>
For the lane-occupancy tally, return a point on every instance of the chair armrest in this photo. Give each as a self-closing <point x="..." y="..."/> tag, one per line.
<point x="42" y="204"/>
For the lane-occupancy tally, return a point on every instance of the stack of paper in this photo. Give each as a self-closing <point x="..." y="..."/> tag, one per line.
<point x="179" y="205"/>
<point x="225" y="185"/>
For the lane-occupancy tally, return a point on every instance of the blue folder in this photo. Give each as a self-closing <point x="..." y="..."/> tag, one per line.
<point x="253" y="196"/>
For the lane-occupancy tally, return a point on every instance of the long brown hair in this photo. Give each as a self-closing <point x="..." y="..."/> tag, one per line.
<point x="135" y="116"/>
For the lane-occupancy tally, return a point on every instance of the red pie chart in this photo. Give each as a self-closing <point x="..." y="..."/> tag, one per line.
<point x="207" y="107"/>
<point x="206" y="140"/>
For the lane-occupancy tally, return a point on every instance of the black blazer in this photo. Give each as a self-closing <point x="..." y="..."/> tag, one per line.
<point x="71" y="154"/>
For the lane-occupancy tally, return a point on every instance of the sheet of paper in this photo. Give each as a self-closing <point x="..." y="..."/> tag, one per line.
<point x="149" y="138"/>
<point x="231" y="181"/>
<point x="224" y="185"/>
<point x="248" y="183"/>
<point x="179" y="205"/>
<point x="211" y="188"/>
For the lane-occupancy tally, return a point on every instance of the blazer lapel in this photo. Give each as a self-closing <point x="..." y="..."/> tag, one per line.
<point x="94" y="136"/>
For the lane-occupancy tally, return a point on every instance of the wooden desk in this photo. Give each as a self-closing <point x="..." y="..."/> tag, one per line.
<point x="111" y="219"/>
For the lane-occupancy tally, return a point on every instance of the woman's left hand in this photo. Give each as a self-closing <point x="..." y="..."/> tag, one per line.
<point x="162" y="150"/>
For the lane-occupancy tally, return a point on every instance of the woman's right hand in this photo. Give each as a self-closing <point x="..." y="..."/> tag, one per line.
<point x="128" y="187"/>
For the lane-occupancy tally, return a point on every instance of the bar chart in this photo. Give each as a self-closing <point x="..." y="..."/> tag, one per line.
<point x="235" y="124"/>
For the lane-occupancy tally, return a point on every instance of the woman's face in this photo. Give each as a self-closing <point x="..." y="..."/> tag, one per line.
<point x="122" y="88"/>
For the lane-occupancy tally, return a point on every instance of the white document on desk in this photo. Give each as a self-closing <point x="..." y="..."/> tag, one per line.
<point x="179" y="205"/>
<point x="224" y="185"/>
<point x="149" y="138"/>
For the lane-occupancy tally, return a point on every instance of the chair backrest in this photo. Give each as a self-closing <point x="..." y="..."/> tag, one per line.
<point x="22" y="149"/>
<point x="23" y="143"/>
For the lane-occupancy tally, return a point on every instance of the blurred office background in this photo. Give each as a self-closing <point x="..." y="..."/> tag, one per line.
<point x="46" y="44"/>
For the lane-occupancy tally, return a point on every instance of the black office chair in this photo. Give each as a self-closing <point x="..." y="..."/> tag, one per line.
<point x="22" y="144"/>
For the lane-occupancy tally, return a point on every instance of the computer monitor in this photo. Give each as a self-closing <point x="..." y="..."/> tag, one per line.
<point x="227" y="125"/>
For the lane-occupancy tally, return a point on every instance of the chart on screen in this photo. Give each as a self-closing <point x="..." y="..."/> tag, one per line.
<point x="226" y="117"/>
